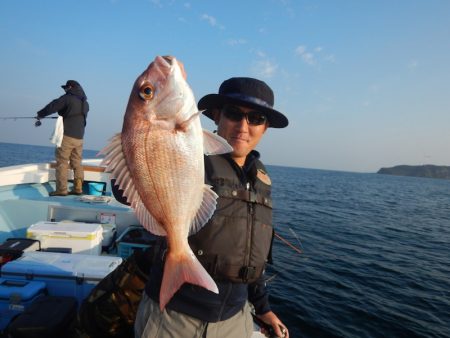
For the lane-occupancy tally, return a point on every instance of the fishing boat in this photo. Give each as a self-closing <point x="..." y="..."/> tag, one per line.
<point x="28" y="212"/>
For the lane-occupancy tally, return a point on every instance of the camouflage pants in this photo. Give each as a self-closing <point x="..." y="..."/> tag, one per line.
<point x="70" y="152"/>
<point x="152" y="323"/>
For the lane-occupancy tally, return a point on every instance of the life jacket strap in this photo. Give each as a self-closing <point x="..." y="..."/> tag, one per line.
<point x="244" y="195"/>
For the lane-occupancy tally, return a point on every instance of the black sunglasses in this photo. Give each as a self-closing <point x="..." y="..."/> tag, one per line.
<point x="254" y="118"/>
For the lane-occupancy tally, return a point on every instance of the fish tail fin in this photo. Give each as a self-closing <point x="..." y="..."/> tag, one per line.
<point x="180" y="270"/>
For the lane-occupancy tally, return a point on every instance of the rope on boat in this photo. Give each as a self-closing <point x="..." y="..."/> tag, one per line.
<point x="95" y="199"/>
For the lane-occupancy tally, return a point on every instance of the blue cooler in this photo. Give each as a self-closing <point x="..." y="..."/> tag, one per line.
<point x="16" y="296"/>
<point x="72" y="275"/>
<point x="47" y="317"/>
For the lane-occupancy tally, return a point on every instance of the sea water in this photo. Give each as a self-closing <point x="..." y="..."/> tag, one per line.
<point x="375" y="258"/>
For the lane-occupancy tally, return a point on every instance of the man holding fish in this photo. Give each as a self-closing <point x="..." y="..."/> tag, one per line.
<point x="214" y="211"/>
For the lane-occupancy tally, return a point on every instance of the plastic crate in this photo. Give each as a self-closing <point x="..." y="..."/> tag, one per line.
<point x="125" y="250"/>
<point x="132" y="239"/>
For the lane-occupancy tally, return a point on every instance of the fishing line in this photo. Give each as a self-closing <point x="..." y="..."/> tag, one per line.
<point x="297" y="250"/>
<point x="285" y="241"/>
<point x="296" y="237"/>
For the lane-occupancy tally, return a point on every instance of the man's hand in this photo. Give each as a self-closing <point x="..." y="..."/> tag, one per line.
<point x="38" y="121"/>
<point x="272" y="319"/>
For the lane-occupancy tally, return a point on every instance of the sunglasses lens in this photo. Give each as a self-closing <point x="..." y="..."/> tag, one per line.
<point x="235" y="114"/>
<point x="256" y="118"/>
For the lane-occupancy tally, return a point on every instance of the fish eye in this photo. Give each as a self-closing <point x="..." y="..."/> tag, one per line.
<point x="146" y="91"/>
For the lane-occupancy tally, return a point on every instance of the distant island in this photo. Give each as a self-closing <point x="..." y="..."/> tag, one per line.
<point x="427" y="170"/>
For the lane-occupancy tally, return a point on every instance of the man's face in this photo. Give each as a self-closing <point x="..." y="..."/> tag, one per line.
<point x="233" y="125"/>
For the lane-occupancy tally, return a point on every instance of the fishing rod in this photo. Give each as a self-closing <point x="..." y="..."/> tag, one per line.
<point x="37" y="123"/>
<point x="27" y="117"/>
<point x="285" y="241"/>
<point x="298" y="250"/>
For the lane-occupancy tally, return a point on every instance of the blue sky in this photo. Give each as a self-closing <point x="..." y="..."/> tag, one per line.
<point x="365" y="84"/>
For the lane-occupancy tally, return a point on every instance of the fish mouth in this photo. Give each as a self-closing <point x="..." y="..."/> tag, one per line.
<point x="165" y="61"/>
<point x="163" y="66"/>
<point x="171" y="61"/>
<point x="168" y="59"/>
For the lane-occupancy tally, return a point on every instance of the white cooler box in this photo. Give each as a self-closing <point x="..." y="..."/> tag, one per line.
<point x="73" y="275"/>
<point x="81" y="238"/>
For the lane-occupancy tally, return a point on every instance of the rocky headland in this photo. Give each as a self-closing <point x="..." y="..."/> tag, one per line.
<point x="427" y="170"/>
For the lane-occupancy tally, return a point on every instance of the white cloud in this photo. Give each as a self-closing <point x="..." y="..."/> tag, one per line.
<point x="235" y="42"/>
<point x="311" y="57"/>
<point x="330" y="58"/>
<point x="261" y="54"/>
<point x="307" y="57"/>
<point x="300" y="50"/>
<point x="413" y="64"/>
<point x="156" y="3"/>
<point x="211" y="20"/>
<point x="265" y="68"/>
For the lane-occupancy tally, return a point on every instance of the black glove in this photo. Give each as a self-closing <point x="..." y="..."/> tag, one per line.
<point x="38" y="121"/>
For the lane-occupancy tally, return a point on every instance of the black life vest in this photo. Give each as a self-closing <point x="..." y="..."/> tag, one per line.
<point x="242" y="222"/>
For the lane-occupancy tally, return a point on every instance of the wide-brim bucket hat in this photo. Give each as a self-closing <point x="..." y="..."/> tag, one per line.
<point x="248" y="92"/>
<point x="70" y="83"/>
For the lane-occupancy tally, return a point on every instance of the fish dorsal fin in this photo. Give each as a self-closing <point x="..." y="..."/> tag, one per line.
<point x="115" y="163"/>
<point x="214" y="144"/>
<point x="205" y="211"/>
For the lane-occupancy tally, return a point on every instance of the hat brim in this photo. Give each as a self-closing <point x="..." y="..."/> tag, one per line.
<point x="208" y="102"/>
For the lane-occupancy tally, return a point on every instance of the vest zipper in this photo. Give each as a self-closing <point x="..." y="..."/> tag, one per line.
<point x="249" y="227"/>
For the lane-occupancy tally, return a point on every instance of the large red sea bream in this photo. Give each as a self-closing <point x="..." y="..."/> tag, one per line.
<point x="158" y="161"/>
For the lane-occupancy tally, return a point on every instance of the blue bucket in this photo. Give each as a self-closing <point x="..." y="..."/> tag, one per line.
<point x="96" y="188"/>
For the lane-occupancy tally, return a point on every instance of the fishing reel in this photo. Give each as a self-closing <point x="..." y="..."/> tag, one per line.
<point x="38" y="122"/>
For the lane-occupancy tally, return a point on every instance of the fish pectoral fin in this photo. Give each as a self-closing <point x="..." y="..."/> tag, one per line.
<point x="180" y="270"/>
<point x="214" y="144"/>
<point x="184" y="125"/>
<point x="115" y="144"/>
<point x="205" y="211"/>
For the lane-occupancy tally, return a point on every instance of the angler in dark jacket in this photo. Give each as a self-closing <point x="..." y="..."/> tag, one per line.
<point x="234" y="246"/>
<point x="73" y="107"/>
